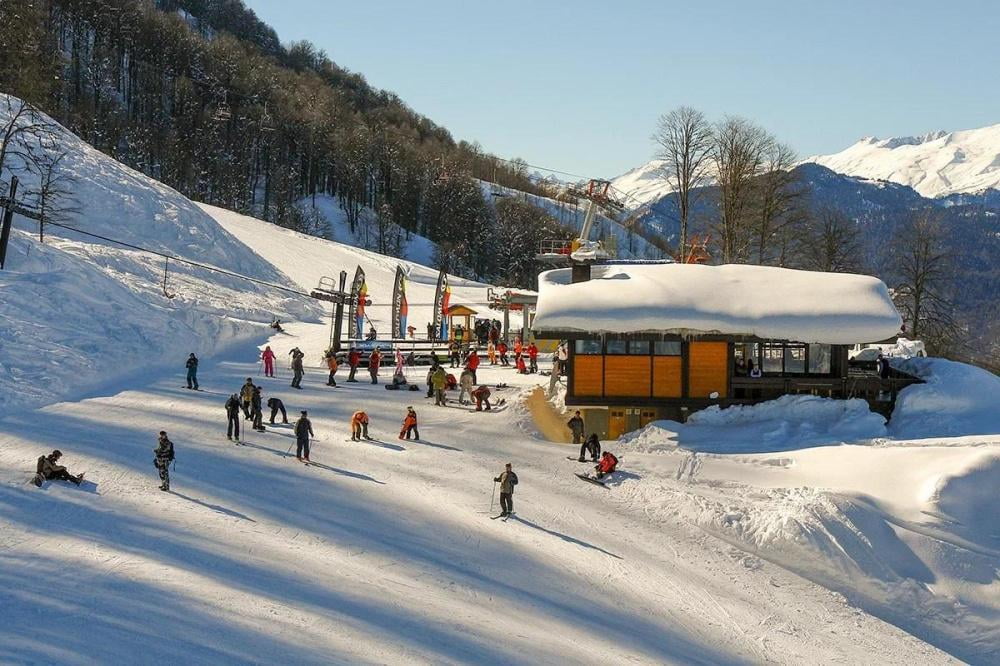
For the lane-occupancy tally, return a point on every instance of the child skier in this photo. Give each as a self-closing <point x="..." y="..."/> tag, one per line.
<point x="409" y="425"/>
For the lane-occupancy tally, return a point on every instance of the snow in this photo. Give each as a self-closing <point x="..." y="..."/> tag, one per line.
<point x="768" y="302"/>
<point x="935" y="165"/>
<point x="643" y="184"/>
<point x="956" y="399"/>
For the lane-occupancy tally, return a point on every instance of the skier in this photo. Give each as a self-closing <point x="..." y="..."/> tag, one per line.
<point x="233" y="417"/>
<point x="430" y="378"/>
<point x="297" y="369"/>
<point x="331" y="363"/>
<point x="575" y="424"/>
<point x="533" y="357"/>
<point x="374" y="362"/>
<point x="472" y="364"/>
<point x="439" y="380"/>
<point x="518" y="346"/>
<point x="502" y="350"/>
<point x="491" y="352"/>
<point x="410" y="425"/>
<point x="353" y="360"/>
<point x="256" y="411"/>
<point x="277" y="406"/>
<point x="481" y="395"/>
<point x="607" y="464"/>
<point x="246" y="395"/>
<point x="455" y="352"/>
<point x="268" y="357"/>
<point x="48" y="468"/>
<point x="507" y="481"/>
<point x="303" y="431"/>
<point x="465" y="383"/>
<point x="359" y="426"/>
<point x="164" y="453"/>
<point x="192" y="371"/>
<point x="592" y="446"/>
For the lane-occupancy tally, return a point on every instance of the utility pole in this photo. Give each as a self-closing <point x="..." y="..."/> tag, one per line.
<point x="7" y="222"/>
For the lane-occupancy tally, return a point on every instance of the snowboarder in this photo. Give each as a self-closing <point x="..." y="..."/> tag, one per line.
<point x="164" y="455"/>
<point x="48" y="468"/>
<point x="277" y="406"/>
<point x="246" y="395"/>
<point x="507" y="481"/>
<point x="607" y="464"/>
<point x="331" y="363"/>
<point x="256" y="410"/>
<point x="268" y="357"/>
<point x="409" y="425"/>
<point x="359" y="426"/>
<point x="592" y="446"/>
<point x="374" y="362"/>
<point x="575" y="424"/>
<point x="233" y="417"/>
<point x="472" y="364"/>
<point x="455" y="353"/>
<point x="353" y="360"/>
<point x="192" y="371"/>
<point x="532" y="357"/>
<point x="482" y="395"/>
<point x="465" y="383"/>
<point x="297" y="369"/>
<point x="439" y="380"/>
<point x="303" y="431"/>
<point x="502" y="351"/>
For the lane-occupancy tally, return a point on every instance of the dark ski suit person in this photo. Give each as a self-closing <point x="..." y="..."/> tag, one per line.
<point x="164" y="453"/>
<point x="303" y="431"/>
<point x="49" y="469"/>
<point x="277" y="406"/>
<point x="297" y="369"/>
<point x="246" y="395"/>
<point x="576" y="425"/>
<point x="256" y="410"/>
<point x="507" y="481"/>
<point x="233" y="417"/>
<point x="591" y="446"/>
<point x="192" y="368"/>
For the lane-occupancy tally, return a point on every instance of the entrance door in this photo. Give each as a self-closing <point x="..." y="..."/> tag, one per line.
<point x="616" y="422"/>
<point x="646" y="416"/>
<point x="708" y="369"/>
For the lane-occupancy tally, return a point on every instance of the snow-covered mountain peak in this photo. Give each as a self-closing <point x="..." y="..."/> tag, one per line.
<point x="935" y="164"/>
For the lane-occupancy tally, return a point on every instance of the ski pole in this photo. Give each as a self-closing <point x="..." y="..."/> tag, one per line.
<point x="493" y="497"/>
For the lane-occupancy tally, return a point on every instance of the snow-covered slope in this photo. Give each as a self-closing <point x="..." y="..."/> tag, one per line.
<point x="935" y="165"/>
<point x="643" y="184"/>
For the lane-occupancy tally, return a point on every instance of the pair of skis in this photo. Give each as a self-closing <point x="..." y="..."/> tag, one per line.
<point x="504" y="517"/>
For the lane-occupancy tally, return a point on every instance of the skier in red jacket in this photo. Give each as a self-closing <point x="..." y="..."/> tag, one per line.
<point x="532" y="358"/>
<point x="607" y="464"/>
<point x="374" y="362"/>
<point x="471" y="364"/>
<point x="502" y="351"/>
<point x="353" y="359"/>
<point x="268" y="357"/>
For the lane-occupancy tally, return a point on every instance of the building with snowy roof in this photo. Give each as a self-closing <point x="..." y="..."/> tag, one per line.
<point x="658" y="341"/>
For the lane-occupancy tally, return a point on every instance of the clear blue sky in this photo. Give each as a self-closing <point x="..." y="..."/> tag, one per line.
<point x="578" y="85"/>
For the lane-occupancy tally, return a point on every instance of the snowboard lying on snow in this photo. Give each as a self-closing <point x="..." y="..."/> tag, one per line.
<point x="596" y="482"/>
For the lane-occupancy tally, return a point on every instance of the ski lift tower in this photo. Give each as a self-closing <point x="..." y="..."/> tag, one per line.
<point x="581" y="253"/>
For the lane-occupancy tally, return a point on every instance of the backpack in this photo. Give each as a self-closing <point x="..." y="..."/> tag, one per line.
<point x="40" y="465"/>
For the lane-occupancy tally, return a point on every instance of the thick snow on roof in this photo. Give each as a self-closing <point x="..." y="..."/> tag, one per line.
<point x="767" y="302"/>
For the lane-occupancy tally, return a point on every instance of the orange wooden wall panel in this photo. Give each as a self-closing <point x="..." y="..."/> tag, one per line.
<point x="667" y="376"/>
<point x="626" y="376"/>
<point x="708" y="369"/>
<point x="587" y="371"/>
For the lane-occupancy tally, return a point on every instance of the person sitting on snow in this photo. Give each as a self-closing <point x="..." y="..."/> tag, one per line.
<point x="276" y="325"/>
<point x="591" y="446"/>
<point x="49" y="469"/>
<point x="607" y="464"/>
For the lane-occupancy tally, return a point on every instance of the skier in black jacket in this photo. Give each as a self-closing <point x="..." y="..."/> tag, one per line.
<point x="192" y="371"/>
<point x="507" y="481"/>
<point x="164" y="453"/>
<point x="303" y="431"/>
<point x="256" y="410"/>
<point x="49" y="468"/>
<point x="277" y="406"/>
<point x="233" y="417"/>
<point x="592" y="446"/>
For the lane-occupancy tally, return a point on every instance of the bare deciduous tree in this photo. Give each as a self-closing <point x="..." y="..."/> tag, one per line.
<point x="23" y="132"/>
<point x="739" y="157"/>
<point x="831" y="243"/>
<point x="53" y="195"/>
<point x="778" y="199"/>
<point x="685" y="140"/>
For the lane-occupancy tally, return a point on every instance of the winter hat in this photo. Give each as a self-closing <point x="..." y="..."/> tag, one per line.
<point x="56" y="454"/>
<point x="303" y="412"/>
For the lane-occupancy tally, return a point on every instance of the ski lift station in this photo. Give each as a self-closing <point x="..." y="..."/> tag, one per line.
<point x="659" y="341"/>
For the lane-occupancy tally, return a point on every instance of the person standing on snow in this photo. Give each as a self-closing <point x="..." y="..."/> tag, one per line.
<point x="430" y="378"/>
<point x="374" y="362"/>
<point x="246" y="395"/>
<point x="353" y="359"/>
<point x="233" y="417"/>
<point x="303" y="431"/>
<point x="439" y="380"/>
<point x="455" y="353"/>
<point x="276" y="405"/>
<point x="164" y="455"/>
<point x="192" y="371"/>
<point x="507" y="481"/>
<point x="532" y="357"/>
<point x="491" y="352"/>
<point x="465" y="383"/>
<point x="409" y="425"/>
<point x="268" y="357"/>
<point x="297" y="369"/>
<point x="359" y="426"/>
<point x="591" y="446"/>
<point x="256" y="410"/>
<point x="331" y="363"/>
<point x="502" y="350"/>
<point x="472" y="363"/>
<point x="576" y="425"/>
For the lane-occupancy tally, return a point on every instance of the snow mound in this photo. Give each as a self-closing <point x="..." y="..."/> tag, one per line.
<point x="957" y="399"/>
<point x="787" y="423"/>
<point x="969" y="497"/>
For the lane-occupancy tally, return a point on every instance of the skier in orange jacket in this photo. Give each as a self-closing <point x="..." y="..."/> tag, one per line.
<point x="359" y="426"/>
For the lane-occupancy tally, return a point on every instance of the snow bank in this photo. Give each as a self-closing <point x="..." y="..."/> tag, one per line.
<point x="957" y="399"/>
<point x="768" y="302"/>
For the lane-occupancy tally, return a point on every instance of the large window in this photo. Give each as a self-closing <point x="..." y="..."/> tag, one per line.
<point x="588" y="347"/>
<point x="638" y="347"/>
<point x="795" y="359"/>
<point x="667" y="348"/>
<point x="774" y="354"/>
<point x="819" y="359"/>
<point x="616" y="347"/>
